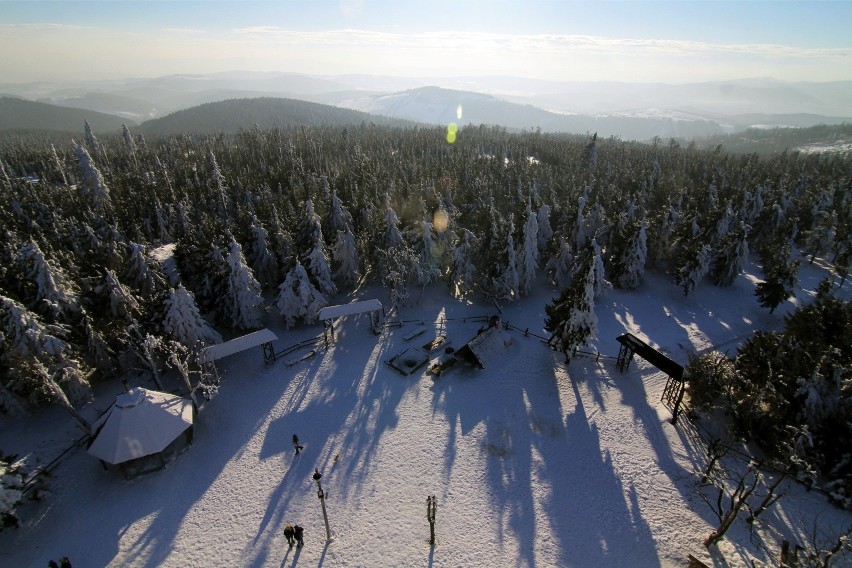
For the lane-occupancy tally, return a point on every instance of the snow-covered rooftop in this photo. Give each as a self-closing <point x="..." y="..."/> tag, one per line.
<point x="331" y="312"/>
<point x="237" y="344"/>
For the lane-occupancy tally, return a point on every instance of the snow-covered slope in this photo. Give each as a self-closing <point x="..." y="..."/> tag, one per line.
<point x="532" y="462"/>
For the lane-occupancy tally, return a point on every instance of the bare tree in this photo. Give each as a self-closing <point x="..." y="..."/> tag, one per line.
<point x="745" y="486"/>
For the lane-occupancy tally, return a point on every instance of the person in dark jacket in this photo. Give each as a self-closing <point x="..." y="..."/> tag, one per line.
<point x="64" y="562"/>
<point x="299" y="531"/>
<point x="288" y="532"/>
<point x="296" y="444"/>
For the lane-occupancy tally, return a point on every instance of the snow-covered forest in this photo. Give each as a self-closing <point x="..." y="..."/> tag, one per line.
<point x="126" y="254"/>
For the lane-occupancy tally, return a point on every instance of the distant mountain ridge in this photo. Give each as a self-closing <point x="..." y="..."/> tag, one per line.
<point x="266" y="112"/>
<point x="631" y="111"/>
<point x="20" y="114"/>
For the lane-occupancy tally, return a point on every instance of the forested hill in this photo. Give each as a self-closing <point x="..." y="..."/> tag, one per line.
<point x="20" y="114"/>
<point x="824" y="138"/>
<point x="266" y="112"/>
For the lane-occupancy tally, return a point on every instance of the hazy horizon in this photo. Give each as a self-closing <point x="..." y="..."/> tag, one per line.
<point x="638" y="41"/>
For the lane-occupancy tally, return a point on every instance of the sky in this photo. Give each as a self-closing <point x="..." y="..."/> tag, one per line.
<point x="633" y="41"/>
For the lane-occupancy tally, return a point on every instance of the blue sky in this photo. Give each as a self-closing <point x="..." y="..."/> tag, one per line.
<point x="671" y="42"/>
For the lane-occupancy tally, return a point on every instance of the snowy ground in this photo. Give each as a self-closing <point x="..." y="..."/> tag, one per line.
<point x="532" y="462"/>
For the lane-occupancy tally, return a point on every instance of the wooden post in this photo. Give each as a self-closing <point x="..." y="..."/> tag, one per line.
<point x="431" y="507"/>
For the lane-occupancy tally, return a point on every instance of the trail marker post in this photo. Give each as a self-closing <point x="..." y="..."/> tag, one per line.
<point x="431" y="507"/>
<point x="321" y="494"/>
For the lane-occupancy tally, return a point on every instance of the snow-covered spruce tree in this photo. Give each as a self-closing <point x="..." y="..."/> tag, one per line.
<point x="690" y="274"/>
<point x="462" y="274"/>
<point x="510" y="281"/>
<point x="55" y="294"/>
<point x="91" y="185"/>
<point x="11" y="490"/>
<point x="129" y="145"/>
<point x="426" y="269"/>
<point x="184" y="322"/>
<point x="39" y="358"/>
<point x="141" y="274"/>
<point x="57" y="163"/>
<point x="101" y="356"/>
<point x="732" y="255"/>
<point x="317" y="265"/>
<point x="337" y="219"/>
<point x="122" y="302"/>
<point x="600" y="283"/>
<point x="345" y="255"/>
<point x="779" y="272"/>
<point x="391" y="237"/>
<point x="242" y="304"/>
<point x="580" y="229"/>
<point x="219" y="185"/>
<point x="590" y="153"/>
<point x="396" y="266"/>
<point x="661" y="245"/>
<point x="312" y="251"/>
<point x="571" y="317"/>
<point x="545" y="231"/>
<point x="297" y="297"/>
<point x="92" y="140"/>
<point x="561" y="267"/>
<point x="628" y="267"/>
<point x="529" y="252"/>
<point x="263" y="261"/>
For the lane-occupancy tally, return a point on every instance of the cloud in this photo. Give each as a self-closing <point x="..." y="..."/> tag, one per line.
<point x="554" y="44"/>
<point x="40" y="27"/>
<point x="190" y="31"/>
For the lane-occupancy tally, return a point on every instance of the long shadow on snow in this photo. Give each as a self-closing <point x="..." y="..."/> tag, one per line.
<point x="340" y="412"/>
<point x="523" y="414"/>
<point x="594" y="518"/>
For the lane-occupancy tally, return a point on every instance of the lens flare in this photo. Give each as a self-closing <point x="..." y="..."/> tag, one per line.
<point x="440" y="221"/>
<point x="452" y="131"/>
<point x="459" y="112"/>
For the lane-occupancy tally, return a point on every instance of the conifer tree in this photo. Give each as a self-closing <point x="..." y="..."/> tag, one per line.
<point x="529" y="252"/>
<point x="427" y="268"/>
<point x="732" y="255"/>
<point x="55" y="292"/>
<point x="183" y="320"/>
<point x="337" y="218"/>
<point x="462" y="274"/>
<point x="93" y="189"/>
<point x="122" y="302"/>
<point x="298" y="298"/>
<point x="345" y="254"/>
<point x="631" y="264"/>
<point x="545" y="231"/>
<point x="511" y="279"/>
<point x="242" y="304"/>
<point x="263" y="262"/>
<point x="600" y="283"/>
<point x="561" y="266"/>
<point x="571" y="317"/>
<point x="780" y="275"/>
<point x="129" y="145"/>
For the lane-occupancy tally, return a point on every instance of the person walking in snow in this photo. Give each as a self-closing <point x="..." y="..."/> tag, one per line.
<point x="298" y="530"/>
<point x="288" y="533"/>
<point x="296" y="444"/>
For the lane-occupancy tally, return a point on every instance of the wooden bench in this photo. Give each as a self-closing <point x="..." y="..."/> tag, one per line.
<point x="414" y="333"/>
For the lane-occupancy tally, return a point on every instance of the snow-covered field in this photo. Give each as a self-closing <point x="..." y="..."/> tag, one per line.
<point x="532" y="462"/>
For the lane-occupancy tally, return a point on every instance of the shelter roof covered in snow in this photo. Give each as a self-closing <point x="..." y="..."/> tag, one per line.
<point x="483" y="348"/>
<point x="214" y="352"/>
<point x="331" y="312"/>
